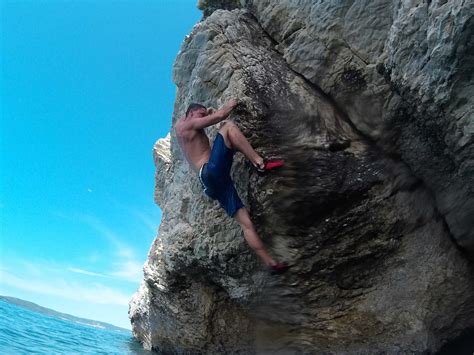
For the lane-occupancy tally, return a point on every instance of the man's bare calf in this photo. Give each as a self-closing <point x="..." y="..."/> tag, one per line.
<point x="234" y="139"/>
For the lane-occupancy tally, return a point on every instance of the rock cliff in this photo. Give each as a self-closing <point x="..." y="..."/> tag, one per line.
<point x="370" y="103"/>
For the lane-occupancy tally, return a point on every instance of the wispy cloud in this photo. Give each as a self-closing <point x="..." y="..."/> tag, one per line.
<point x="125" y="264"/>
<point x="85" y="272"/>
<point x="127" y="267"/>
<point x="130" y="270"/>
<point x="59" y="287"/>
<point x="93" y="257"/>
<point x="148" y="219"/>
<point x="125" y="251"/>
<point x="99" y="226"/>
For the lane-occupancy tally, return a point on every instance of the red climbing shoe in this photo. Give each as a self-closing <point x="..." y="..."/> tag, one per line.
<point x="269" y="165"/>
<point x="278" y="268"/>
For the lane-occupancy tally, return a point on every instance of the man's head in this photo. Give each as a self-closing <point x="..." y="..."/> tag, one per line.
<point x="196" y="109"/>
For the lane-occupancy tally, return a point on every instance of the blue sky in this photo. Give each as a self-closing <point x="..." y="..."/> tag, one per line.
<point x="86" y="91"/>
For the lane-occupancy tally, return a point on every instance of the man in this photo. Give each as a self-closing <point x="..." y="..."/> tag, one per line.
<point x="213" y="166"/>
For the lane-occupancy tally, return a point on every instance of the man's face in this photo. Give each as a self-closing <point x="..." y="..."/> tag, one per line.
<point x="200" y="112"/>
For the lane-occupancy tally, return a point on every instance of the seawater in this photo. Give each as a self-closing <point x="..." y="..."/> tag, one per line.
<point x="26" y="332"/>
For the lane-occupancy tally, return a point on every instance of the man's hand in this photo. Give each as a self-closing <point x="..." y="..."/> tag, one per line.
<point x="232" y="103"/>
<point x="210" y="111"/>
<point x="227" y="108"/>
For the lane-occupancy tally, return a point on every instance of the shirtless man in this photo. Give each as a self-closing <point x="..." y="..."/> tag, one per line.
<point x="213" y="166"/>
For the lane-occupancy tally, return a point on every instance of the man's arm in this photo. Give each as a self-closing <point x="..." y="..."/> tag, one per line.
<point x="214" y="117"/>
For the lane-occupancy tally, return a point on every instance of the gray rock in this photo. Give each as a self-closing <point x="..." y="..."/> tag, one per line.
<point x="402" y="72"/>
<point x="373" y="266"/>
<point x="209" y="6"/>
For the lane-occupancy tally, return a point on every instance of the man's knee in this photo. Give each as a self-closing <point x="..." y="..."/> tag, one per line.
<point x="226" y="132"/>
<point x="226" y="126"/>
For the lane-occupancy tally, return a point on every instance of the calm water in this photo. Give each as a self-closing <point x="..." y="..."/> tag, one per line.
<point x="25" y="332"/>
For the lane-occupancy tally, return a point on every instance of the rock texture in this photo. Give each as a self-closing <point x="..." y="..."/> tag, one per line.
<point x="402" y="71"/>
<point x="369" y="104"/>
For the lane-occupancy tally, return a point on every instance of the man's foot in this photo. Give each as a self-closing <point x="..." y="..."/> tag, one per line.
<point x="268" y="165"/>
<point x="278" y="268"/>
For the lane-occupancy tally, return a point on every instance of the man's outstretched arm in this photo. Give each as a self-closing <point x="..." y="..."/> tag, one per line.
<point x="214" y="117"/>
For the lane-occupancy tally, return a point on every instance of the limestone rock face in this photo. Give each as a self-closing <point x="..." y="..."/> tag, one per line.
<point x="356" y="210"/>
<point x="402" y="71"/>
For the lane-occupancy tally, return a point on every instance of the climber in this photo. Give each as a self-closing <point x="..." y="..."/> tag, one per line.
<point x="213" y="166"/>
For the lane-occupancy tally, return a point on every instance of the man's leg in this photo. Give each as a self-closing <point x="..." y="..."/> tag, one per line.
<point x="242" y="216"/>
<point x="235" y="139"/>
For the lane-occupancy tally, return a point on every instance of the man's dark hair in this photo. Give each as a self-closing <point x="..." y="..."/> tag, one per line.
<point x="193" y="107"/>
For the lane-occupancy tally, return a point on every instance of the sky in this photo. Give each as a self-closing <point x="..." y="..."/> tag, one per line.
<point x="86" y="90"/>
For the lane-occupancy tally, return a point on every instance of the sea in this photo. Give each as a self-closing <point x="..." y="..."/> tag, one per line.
<point x="23" y="331"/>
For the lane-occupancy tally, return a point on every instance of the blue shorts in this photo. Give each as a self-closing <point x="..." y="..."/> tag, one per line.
<point x="215" y="177"/>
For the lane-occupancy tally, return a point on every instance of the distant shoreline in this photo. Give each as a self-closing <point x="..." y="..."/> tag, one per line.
<point x="50" y="312"/>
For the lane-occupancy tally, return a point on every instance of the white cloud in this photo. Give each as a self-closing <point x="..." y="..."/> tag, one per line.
<point x="125" y="264"/>
<point x="85" y="272"/>
<point x="148" y="221"/>
<point x="129" y="270"/>
<point x="125" y="251"/>
<point x="93" y="257"/>
<point x="94" y="293"/>
<point x="66" y="289"/>
<point x="102" y="228"/>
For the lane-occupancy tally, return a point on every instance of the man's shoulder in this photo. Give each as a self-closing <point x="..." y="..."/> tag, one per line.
<point x="180" y="125"/>
<point x="179" y="121"/>
<point x="184" y="128"/>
